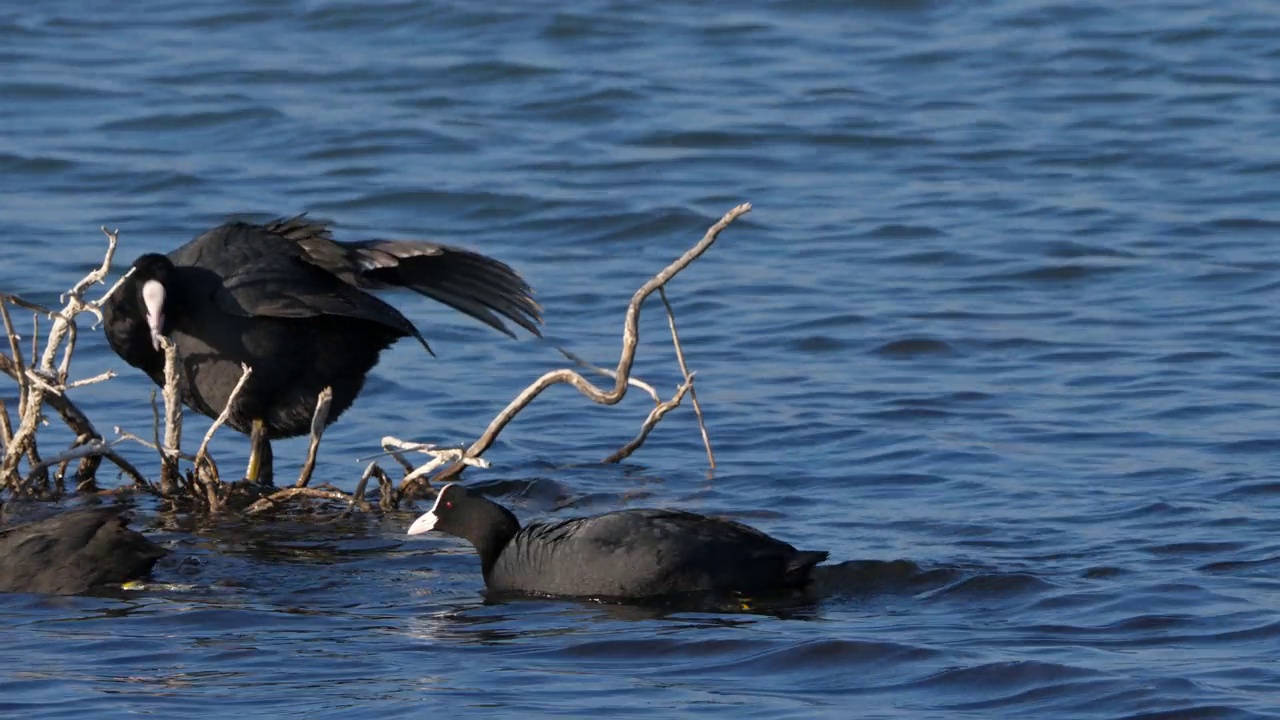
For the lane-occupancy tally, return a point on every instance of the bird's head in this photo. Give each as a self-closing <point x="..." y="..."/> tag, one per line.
<point x="152" y="275"/>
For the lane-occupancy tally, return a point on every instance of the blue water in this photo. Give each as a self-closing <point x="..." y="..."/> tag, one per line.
<point x="1005" y="311"/>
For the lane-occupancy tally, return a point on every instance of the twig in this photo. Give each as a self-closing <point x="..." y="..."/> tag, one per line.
<point x="417" y="478"/>
<point x="112" y="290"/>
<point x="655" y="415"/>
<point x="96" y="306"/>
<point x="24" y="438"/>
<point x="100" y="377"/>
<point x="172" y="419"/>
<point x="211" y="487"/>
<point x="34" y="377"/>
<point x="688" y="377"/>
<point x="139" y="480"/>
<point x="634" y="382"/>
<point x="318" y="420"/>
<point x="98" y="276"/>
<point x="630" y="339"/>
<point x="93" y="448"/>
<point x="155" y="423"/>
<point x="6" y="425"/>
<point x="202" y="455"/>
<point x="19" y="364"/>
<point x="395" y="447"/>
<point x="74" y="418"/>
<point x="357" y="497"/>
<point x="40" y="383"/>
<point x="399" y="456"/>
<point x="172" y="398"/>
<point x="126" y="435"/>
<point x="64" y="368"/>
<point x="289" y="493"/>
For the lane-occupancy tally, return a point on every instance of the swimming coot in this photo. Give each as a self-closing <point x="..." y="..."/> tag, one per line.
<point x="625" y="554"/>
<point x="74" y="552"/>
<point x="288" y="300"/>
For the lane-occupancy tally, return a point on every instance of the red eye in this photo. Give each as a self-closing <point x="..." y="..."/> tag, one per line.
<point x="448" y="505"/>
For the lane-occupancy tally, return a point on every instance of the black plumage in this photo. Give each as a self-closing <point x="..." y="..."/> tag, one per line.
<point x="626" y="554"/>
<point x="295" y="305"/>
<point x="74" y="552"/>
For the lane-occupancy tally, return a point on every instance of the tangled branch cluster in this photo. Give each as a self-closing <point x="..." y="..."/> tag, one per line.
<point x="44" y="381"/>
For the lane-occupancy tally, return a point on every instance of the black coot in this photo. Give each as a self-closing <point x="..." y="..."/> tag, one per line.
<point x="74" y="552"/>
<point x="292" y="303"/>
<point x="626" y="554"/>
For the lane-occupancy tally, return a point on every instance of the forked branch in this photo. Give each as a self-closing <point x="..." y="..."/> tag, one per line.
<point x="622" y="375"/>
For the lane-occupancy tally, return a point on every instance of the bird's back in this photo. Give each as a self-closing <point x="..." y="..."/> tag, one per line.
<point x="250" y="295"/>
<point x="645" y="553"/>
<point x="73" y="552"/>
<point x="255" y="270"/>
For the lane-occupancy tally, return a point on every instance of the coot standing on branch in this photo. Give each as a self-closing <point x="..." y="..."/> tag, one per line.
<point x="626" y="554"/>
<point x="293" y="304"/>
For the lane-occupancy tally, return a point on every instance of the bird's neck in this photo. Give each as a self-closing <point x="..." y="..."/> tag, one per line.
<point x="500" y="526"/>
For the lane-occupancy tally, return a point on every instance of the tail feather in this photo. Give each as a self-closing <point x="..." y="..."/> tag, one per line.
<point x="800" y="568"/>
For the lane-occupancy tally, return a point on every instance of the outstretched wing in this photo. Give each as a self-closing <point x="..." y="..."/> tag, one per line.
<point x="265" y="275"/>
<point x="466" y="281"/>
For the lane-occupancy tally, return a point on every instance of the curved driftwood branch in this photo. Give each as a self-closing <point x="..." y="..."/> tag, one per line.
<point x="630" y="340"/>
<point x="649" y="423"/>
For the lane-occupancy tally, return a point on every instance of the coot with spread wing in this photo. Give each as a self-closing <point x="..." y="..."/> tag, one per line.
<point x="295" y="305"/>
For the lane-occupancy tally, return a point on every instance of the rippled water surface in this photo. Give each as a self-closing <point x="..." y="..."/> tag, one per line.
<point x="1001" y="330"/>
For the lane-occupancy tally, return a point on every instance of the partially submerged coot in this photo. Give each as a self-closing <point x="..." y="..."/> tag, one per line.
<point x="626" y="554"/>
<point x="293" y="304"/>
<point x="74" y="552"/>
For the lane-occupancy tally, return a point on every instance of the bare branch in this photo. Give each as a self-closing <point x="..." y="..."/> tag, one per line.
<point x="396" y="447"/>
<point x="139" y="480"/>
<point x="6" y="425"/>
<point x="100" y="377"/>
<point x="31" y="399"/>
<point x="35" y="379"/>
<point x="417" y="478"/>
<point x="96" y="447"/>
<point x="357" y="497"/>
<point x="630" y="339"/>
<point x="654" y="416"/>
<point x="64" y="368"/>
<point x="172" y="398"/>
<point x="289" y="493"/>
<point x="634" y="382"/>
<point x="41" y="382"/>
<point x="99" y="275"/>
<point x="202" y="455"/>
<point x="388" y="497"/>
<point x="318" y="421"/>
<point x="20" y="376"/>
<point x="688" y="376"/>
<point x="172" y="446"/>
